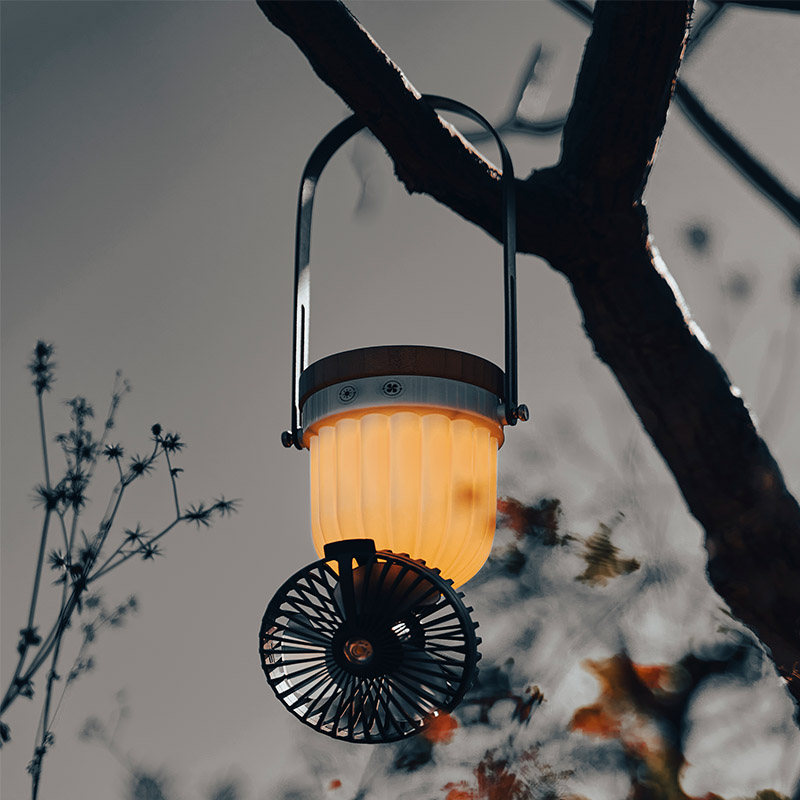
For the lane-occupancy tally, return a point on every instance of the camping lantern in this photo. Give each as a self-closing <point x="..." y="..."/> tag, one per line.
<point x="372" y="641"/>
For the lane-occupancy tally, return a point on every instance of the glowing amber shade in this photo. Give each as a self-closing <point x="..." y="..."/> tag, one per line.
<point x="415" y="480"/>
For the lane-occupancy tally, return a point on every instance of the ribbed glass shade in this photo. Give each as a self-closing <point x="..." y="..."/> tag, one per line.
<point x="416" y="480"/>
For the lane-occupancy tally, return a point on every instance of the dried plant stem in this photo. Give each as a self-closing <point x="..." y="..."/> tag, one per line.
<point x="107" y="567"/>
<point x="24" y="646"/>
<point x="44" y="723"/>
<point x="44" y="440"/>
<point x="95" y="626"/>
<point x="174" y="484"/>
<point x="104" y="567"/>
<point x="46" y="525"/>
<point x="66" y="684"/>
<point x="54" y="636"/>
<point x="80" y="562"/>
<point x="38" y="575"/>
<point x="11" y="693"/>
<point x="108" y="520"/>
<point x="52" y="640"/>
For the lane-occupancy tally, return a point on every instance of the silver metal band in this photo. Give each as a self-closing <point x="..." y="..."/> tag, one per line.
<point x="402" y="390"/>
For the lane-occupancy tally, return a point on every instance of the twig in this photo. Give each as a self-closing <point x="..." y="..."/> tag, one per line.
<point x="745" y="163"/>
<point x="46" y="525"/>
<point x="174" y="484"/>
<point x="579" y="9"/>
<point x="81" y="454"/>
<point x="514" y="123"/>
<point x="44" y="440"/>
<point x="38" y="574"/>
<point x="108" y="567"/>
<point x="703" y="26"/>
<point x="63" y="525"/>
<point x="45" y="738"/>
<point x="792" y="6"/>
<point x="28" y="635"/>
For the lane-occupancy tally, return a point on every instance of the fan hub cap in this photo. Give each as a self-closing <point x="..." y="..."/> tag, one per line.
<point x="358" y="651"/>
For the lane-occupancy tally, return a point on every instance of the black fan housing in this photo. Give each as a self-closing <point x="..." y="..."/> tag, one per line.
<point x="368" y="646"/>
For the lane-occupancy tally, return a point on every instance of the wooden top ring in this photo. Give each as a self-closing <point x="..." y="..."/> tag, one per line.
<point x="394" y="359"/>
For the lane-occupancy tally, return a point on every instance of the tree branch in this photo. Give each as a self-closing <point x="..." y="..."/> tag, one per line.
<point x="714" y="131"/>
<point x="429" y="157"/>
<point x="621" y="99"/>
<point x="585" y="218"/>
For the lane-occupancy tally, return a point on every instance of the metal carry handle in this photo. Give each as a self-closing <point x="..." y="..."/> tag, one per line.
<point x="302" y="273"/>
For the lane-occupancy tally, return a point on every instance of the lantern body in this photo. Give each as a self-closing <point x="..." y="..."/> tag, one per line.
<point x="417" y="480"/>
<point x="408" y="460"/>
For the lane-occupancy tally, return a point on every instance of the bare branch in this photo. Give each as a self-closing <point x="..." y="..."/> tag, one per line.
<point x="529" y="77"/>
<point x="578" y="8"/>
<point x="738" y="155"/>
<point x="514" y="122"/>
<point x="703" y="26"/>
<point x="768" y="5"/>
<point x="428" y="156"/>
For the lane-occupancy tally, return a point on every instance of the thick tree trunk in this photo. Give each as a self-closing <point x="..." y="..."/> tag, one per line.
<point x="585" y="217"/>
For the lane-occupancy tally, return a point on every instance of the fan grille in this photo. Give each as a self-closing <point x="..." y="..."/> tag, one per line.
<point x="368" y="647"/>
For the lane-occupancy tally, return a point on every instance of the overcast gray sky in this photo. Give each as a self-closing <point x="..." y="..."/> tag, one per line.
<point x="150" y="160"/>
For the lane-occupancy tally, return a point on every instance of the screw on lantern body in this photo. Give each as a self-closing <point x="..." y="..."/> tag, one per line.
<point x="371" y="641"/>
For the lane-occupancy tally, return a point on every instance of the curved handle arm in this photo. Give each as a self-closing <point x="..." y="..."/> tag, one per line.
<point x="302" y="273"/>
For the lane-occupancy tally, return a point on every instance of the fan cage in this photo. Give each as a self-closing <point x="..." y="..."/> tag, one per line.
<point x="368" y="646"/>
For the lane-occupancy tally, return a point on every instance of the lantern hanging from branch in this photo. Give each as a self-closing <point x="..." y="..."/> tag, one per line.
<point x="372" y="641"/>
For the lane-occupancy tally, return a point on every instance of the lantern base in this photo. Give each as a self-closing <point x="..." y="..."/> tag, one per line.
<point x="368" y="646"/>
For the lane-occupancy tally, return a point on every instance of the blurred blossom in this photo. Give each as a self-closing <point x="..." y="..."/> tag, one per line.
<point x="698" y="238"/>
<point x="739" y="286"/>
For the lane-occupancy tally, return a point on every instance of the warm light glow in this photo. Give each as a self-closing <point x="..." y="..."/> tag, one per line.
<point x="416" y="480"/>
